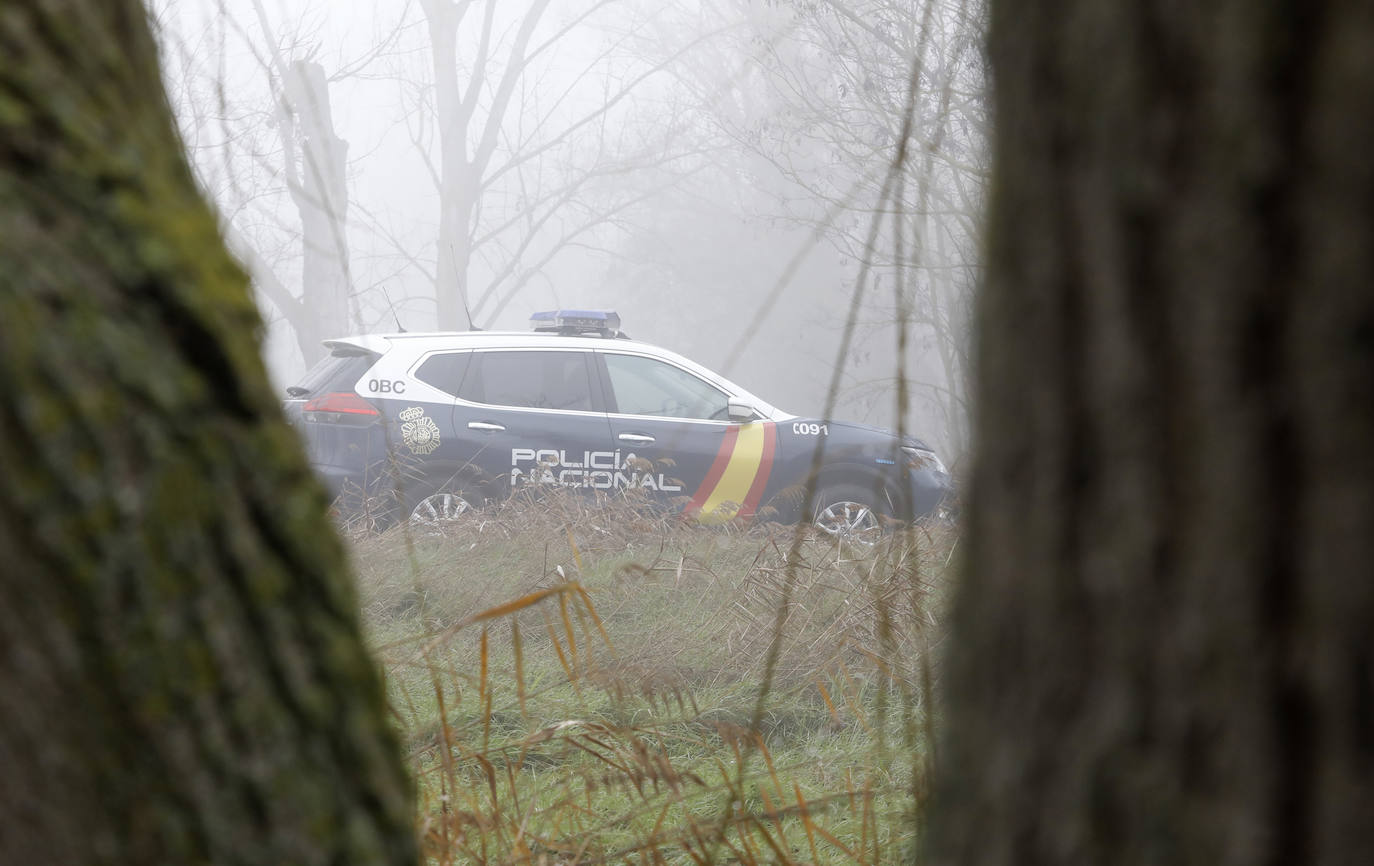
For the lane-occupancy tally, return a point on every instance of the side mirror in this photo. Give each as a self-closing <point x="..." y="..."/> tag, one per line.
<point x="741" y="410"/>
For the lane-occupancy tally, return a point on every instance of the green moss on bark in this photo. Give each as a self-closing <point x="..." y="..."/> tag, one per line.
<point x="181" y="668"/>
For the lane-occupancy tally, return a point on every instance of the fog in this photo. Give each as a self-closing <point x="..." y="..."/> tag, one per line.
<point x="724" y="174"/>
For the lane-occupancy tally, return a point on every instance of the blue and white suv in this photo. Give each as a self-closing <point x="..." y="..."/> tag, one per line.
<point x="437" y="423"/>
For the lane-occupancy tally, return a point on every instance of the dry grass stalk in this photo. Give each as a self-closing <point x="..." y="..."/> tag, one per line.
<point x="537" y="739"/>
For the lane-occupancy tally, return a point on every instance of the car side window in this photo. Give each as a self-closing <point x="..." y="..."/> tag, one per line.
<point x="645" y="386"/>
<point x="533" y="380"/>
<point x="444" y="371"/>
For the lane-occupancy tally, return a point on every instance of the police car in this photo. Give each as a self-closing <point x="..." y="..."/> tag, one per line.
<point x="438" y="423"/>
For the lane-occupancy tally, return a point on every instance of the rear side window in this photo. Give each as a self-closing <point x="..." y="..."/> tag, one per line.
<point x="340" y="371"/>
<point x="534" y="380"/>
<point x="445" y="371"/>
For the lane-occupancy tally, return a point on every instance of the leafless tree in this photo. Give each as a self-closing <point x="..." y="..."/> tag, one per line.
<point x="527" y="162"/>
<point x="817" y="97"/>
<point x="264" y="143"/>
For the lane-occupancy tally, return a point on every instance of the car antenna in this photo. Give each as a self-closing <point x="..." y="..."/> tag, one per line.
<point x="394" y="314"/>
<point x="468" y="313"/>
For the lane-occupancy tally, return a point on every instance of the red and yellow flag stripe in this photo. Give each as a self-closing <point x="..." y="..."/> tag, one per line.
<point x="738" y="475"/>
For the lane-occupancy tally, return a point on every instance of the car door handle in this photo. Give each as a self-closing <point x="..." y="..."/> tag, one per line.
<point x="636" y="437"/>
<point x="485" y="425"/>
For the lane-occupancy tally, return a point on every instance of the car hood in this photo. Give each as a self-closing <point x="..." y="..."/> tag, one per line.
<point x="869" y="430"/>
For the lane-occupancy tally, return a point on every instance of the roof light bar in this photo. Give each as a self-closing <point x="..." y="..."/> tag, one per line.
<point x="574" y="321"/>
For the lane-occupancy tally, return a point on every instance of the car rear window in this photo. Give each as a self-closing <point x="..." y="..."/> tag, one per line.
<point x="535" y="380"/>
<point x="339" y="371"/>
<point x="444" y="371"/>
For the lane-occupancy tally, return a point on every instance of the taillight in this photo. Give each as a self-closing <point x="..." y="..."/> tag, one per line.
<point x="340" y="407"/>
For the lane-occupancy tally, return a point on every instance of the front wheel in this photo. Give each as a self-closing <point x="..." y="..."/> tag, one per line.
<point x="847" y="512"/>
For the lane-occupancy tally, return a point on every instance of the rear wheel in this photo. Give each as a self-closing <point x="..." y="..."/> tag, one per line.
<point x="442" y="506"/>
<point x="849" y="512"/>
<point x="439" y="508"/>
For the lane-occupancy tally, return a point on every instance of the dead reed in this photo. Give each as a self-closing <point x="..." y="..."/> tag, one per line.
<point x="581" y="682"/>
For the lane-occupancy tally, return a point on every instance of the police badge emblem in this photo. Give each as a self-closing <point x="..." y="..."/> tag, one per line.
<point x="418" y="431"/>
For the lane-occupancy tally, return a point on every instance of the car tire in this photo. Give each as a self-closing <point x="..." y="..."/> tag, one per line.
<point x="849" y="513"/>
<point x="440" y="506"/>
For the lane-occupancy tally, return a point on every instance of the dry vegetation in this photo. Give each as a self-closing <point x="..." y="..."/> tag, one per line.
<point x="583" y="683"/>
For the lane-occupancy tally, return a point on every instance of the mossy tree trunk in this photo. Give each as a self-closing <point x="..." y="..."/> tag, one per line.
<point x="1164" y="646"/>
<point x="182" y="677"/>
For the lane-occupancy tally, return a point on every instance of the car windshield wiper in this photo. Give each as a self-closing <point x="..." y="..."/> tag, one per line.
<point x="297" y="391"/>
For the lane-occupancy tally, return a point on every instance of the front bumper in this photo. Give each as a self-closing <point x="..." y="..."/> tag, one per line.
<point x="929" y="491"/>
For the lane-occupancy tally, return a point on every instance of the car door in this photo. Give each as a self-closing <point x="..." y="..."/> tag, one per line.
<point x="532" y="416"/>
<point x="426" y="435"/>
<point x="675" y="441"/>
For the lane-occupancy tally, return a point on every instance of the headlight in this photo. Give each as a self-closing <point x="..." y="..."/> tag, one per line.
<point x="922" y="458"/>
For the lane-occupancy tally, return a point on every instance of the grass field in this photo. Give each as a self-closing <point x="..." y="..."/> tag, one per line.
<point x="588" y="684"/>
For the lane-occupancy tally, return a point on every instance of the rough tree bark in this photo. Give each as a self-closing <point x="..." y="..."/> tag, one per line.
<point x="1163" y="646"/>
<point x="182" y="677"/>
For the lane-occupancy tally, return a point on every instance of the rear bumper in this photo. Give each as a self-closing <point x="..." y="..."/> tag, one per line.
<point x="354" y="486"/>
<point x="340" y="479"/>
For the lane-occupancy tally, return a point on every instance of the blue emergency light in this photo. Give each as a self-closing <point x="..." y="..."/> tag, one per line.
<point x="576" y="321"/>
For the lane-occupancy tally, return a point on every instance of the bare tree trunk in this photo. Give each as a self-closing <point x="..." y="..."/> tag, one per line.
<point x="319" y="187"/>
<point x="469" y="131"/>
<point x="182" y="677"/>
<point x="457" y="184"/>
<point x="1163" y="645"/>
